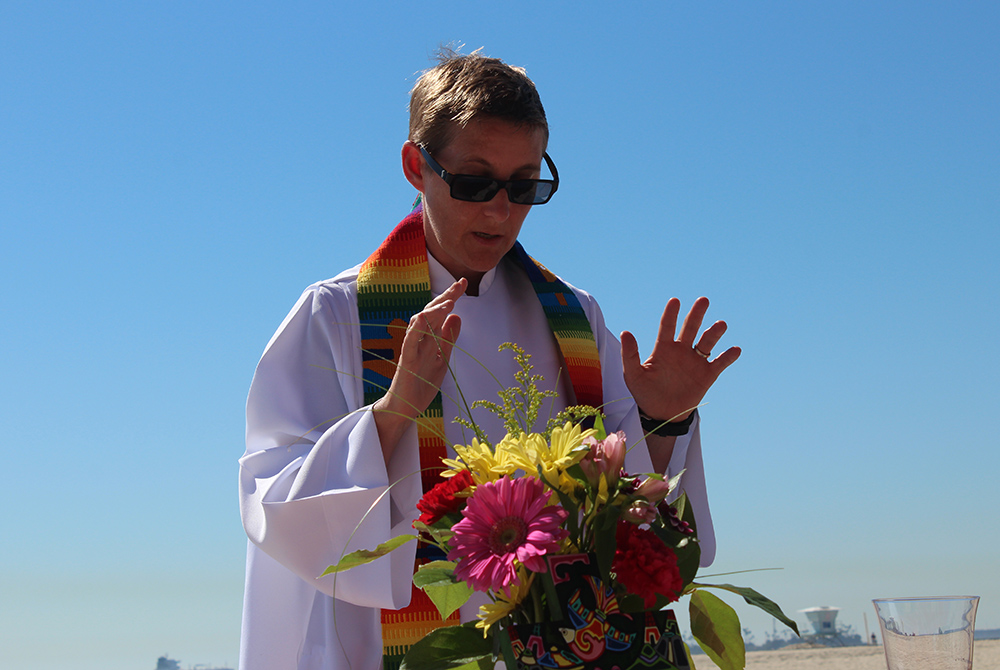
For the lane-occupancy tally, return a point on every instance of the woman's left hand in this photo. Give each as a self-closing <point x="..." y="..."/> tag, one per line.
<point x="671" y="383"/>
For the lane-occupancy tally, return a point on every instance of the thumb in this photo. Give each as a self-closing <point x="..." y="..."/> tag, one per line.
<point x="630" y="355"/>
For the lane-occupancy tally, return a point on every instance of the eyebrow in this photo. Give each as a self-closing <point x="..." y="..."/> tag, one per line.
<point x="533" y="167"/>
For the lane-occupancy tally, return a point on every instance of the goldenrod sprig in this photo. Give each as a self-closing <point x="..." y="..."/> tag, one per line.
<point x="574" y="414"/>
<point x="520" y="403"/>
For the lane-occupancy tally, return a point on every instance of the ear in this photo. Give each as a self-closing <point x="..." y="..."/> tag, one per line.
<point x="413" y="164"/>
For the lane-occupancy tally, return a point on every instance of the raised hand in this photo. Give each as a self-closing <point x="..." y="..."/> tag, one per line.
<point x="423" y="363"/>
<point x="679" y="372"/>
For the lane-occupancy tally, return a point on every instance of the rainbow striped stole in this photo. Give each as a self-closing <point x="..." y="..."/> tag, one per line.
<point x="393" y="285"/>
<point x="571" y="327"/>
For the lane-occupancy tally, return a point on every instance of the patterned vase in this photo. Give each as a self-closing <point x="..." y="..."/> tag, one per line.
<point x="591" y="632"/>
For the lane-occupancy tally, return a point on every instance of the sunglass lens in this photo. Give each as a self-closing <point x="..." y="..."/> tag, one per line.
<point x="522" y="192"/>
<point x="530" y="192"/>
<point x="473" y="189"/>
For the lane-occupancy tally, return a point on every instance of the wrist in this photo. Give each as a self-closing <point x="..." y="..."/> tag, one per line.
<point x="390" y="424"/>
<point x="664" y="428"/>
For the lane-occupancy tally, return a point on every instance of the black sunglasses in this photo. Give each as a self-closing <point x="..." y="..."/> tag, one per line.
<point x="482" y="189"/>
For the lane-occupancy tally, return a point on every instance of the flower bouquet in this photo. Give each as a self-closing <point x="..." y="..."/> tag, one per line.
<point x="578" y="557"/>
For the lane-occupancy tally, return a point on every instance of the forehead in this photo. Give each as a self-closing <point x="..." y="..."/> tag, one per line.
<point x="490" y="138"/>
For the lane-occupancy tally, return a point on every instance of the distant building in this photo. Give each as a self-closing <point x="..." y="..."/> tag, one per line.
<point x="823" y="619"/>
<point x="166" y="663"/>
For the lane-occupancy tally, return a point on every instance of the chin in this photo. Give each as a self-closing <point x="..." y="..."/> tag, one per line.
<point x="487" y="265"/>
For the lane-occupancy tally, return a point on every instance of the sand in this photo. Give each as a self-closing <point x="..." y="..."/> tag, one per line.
<point x="986" y="656"/>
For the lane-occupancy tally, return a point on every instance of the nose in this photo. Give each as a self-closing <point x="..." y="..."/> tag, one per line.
<point x="498" y="208"/>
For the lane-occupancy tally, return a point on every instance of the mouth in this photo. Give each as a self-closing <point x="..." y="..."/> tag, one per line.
<point x="487" y="236"/>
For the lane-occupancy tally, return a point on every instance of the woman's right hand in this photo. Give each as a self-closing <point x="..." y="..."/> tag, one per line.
<point x="423" y="363"/>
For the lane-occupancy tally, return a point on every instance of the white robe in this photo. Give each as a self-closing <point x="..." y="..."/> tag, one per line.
<point x="313" y="465"/>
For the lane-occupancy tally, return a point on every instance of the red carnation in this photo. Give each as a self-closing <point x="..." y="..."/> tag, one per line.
<point x="441" y="499"/>
<point x="644" y="565"/>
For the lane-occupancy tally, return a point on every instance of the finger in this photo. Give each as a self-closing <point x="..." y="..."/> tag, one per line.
<point x="725" y="359"/>
<point x="692" y="322"/>
<point x="433" y="317"/>
<point x="711" y="337"/>
<point x="668" y="325"/>
<point x="431" y="320"/>
<point x="451" y="293"/>
<point x="426" y="327"/>
<point x="434" y="314"/>
<point x="417" y="331"/>
<point x="449" y="335"/>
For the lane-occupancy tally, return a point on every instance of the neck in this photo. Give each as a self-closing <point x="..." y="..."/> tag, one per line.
<point x="474" y="278"/>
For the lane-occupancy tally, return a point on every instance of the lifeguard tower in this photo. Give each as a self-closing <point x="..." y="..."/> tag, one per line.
<point x="824" y="622"/>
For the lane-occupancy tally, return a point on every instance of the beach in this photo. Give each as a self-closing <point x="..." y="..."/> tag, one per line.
<point x="986" y="656"/>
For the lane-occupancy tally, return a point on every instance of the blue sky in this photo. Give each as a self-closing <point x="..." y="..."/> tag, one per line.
<point x="173" y="175"/>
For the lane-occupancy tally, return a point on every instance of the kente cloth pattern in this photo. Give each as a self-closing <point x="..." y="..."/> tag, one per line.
<point x="393" y="285"/>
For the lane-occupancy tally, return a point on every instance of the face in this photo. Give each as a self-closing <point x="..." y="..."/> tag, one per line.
<point x="470" y="238"/>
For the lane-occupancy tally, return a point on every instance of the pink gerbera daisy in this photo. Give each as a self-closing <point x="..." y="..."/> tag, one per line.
<point x="505" y="520"/>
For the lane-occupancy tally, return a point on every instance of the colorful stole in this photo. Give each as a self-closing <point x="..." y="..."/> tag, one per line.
<point x="393" y="285"/>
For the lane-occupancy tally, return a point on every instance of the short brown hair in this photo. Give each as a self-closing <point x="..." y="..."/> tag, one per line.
<point x="460" y="88"/>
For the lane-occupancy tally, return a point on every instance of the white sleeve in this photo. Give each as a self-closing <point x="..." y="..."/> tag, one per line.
<point x="623" y="414"/>
<point x="313" y="467"/>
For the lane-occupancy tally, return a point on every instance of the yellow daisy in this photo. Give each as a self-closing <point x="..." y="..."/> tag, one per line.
<point x="569" y="437"/>
<point x="569" y="486"/>
<point x="480" y="461"/>
<point x="554" y="456"/>
<point x="491" y="613"/>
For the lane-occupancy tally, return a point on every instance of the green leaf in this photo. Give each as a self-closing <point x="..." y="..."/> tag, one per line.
<point x="450" y="648"/>
<point x="362" y="556"/>
<point x="675" y="480"/>
<point x="605" y="527"/>
<point x="599" y="427"/>
<point x="688" y="561"/>
<point x="688" y="551"/>
<point x="551" y="597"/>
<point x="440" y="535"/>
<point x="757" y="600"/>
<point x="717" y="628"/>
<point x="502" y="647"/>
<point x="437" y="579"/>
<point x="577" y="473"/>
